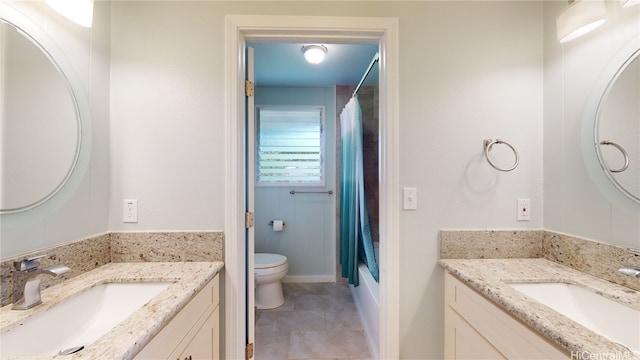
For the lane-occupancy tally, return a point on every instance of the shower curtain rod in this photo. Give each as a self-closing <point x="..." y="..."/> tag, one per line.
<point x="375" y="59"/>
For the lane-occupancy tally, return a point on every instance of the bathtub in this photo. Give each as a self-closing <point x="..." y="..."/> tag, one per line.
<point x="366" y="297"/>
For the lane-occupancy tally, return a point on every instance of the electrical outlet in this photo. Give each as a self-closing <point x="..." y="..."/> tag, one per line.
<point x="523" y="209"/>
<point x="130" y="211"/>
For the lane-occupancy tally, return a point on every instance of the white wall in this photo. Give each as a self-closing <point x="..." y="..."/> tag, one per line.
<point x="167" y="145"/>
<point x="85" y="212"/>
<point x="309" y="236"/>
<point x="572" y="203"/>
<point x="468" y="71"/>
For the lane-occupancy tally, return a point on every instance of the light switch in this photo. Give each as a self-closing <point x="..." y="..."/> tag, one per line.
<point x="410" y="196"/>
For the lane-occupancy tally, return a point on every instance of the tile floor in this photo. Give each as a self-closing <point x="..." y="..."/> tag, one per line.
<point x="318" y="321"/>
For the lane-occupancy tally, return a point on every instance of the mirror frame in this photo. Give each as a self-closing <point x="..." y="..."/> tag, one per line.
<point x="67" y="187"/>
<point x="598" y="172"/>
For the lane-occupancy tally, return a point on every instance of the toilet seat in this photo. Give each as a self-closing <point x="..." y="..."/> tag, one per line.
<point x="266" y="260"/>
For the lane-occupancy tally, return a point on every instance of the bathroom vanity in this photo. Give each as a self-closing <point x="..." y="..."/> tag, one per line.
<point x="486" y="316"/>
<point x="193" y="333"/>
<point x="180" y="320"/>
<point x="477" y="328"/>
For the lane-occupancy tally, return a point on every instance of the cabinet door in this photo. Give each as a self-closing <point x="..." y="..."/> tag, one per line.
<point x="205" y="343"/>
<point x="472" y="312"/>
<point x="468" y="343"/>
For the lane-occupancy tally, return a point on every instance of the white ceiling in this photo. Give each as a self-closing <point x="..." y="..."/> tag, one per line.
<point x="278" y="64"/>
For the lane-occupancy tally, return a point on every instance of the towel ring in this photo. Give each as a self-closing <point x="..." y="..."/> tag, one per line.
<point x="624" y="154"/>
<point x="488" y="144"/>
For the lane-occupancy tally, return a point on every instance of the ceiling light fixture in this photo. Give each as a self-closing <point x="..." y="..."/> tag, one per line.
<point x="78" y="11"/>
<point x="629" y="3"/>
<point x="314" y="54"/>
<point x="578" y="18"/>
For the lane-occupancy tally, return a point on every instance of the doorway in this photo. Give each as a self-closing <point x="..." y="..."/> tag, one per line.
<point x="297" y="181"/>
<point x="241" y="29"/>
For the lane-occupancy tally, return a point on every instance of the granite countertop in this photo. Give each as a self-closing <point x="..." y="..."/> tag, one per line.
<point x="127" y="338"/>
<point x="491" y="277"/>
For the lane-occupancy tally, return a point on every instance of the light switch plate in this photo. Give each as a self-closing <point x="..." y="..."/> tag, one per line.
<point x="410" y="198"/>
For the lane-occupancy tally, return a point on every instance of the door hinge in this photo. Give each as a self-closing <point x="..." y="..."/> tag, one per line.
<point x="248" y="219"/>
<point x="248" y="351"/>
<point x="248" y="88"/>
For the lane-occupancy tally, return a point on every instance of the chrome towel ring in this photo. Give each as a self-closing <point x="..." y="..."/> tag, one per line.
<point x="624" y="154"/>
<point x="488" y="144"/>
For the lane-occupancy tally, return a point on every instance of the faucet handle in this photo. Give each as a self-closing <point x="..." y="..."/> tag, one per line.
<point x="28" y="263"/>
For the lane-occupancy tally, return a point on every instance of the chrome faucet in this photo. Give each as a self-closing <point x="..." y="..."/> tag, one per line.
<point x="26" y="281"/>
<point x="631" y="271"/>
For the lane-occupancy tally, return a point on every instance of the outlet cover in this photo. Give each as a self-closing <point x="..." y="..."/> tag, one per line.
<point x="524" y="210"/>
<point x="130" y="211"/>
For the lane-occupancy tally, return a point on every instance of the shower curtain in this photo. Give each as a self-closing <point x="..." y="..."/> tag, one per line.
<point x="355" y="232"/>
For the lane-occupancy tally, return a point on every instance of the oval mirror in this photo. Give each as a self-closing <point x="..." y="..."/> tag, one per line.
<point x="617" y="129"/>
<point x="611" y="127"/>
<point x="40" y="126"/>
<point x="44" y="118"/>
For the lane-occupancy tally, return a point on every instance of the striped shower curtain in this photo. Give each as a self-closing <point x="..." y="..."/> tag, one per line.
<point x="355" y="232"/>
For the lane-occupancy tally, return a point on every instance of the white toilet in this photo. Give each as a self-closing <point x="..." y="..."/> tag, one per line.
<point x="269" y="271"/>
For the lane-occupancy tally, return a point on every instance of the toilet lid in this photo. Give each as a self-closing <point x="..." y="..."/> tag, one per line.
<point x="264" y="260"/>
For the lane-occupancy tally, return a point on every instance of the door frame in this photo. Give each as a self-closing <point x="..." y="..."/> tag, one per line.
<point x="240" y="29"/>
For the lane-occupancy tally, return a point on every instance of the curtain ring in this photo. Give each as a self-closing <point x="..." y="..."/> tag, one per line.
<point x="624" y="154"/>
<point x="488" y="144"/>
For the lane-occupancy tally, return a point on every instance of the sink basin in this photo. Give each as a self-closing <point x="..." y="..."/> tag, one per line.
<point x="606" y="317"/>
<point x="77" y="321"/>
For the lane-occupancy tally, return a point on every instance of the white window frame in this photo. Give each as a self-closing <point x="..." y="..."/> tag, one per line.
<point x="323" y="116"/>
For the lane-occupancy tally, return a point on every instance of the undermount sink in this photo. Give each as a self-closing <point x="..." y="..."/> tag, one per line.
<point x="77" y="321"/>
<point x="604" y="316"/>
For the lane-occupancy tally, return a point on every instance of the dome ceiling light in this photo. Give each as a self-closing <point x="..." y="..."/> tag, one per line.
<point x="314" y="54"/>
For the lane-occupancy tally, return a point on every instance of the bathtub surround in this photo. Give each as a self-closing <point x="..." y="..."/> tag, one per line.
<point x="587" y="256"/>
<point x="90" y="253"/>
<point x="367" y="299"/>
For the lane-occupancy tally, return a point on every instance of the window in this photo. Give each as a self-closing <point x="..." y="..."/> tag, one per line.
<point x="290" y="145"/>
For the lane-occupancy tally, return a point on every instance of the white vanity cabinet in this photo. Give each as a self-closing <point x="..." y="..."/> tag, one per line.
<point x="476" y="328"/>
<point x="193" y="333"/>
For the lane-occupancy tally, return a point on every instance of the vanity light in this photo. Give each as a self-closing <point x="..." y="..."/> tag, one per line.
<point x="629" y="3"/>
<point x="578" y="18"/>
<point x="314" y="54"/>
<point x="78" y="11"/>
